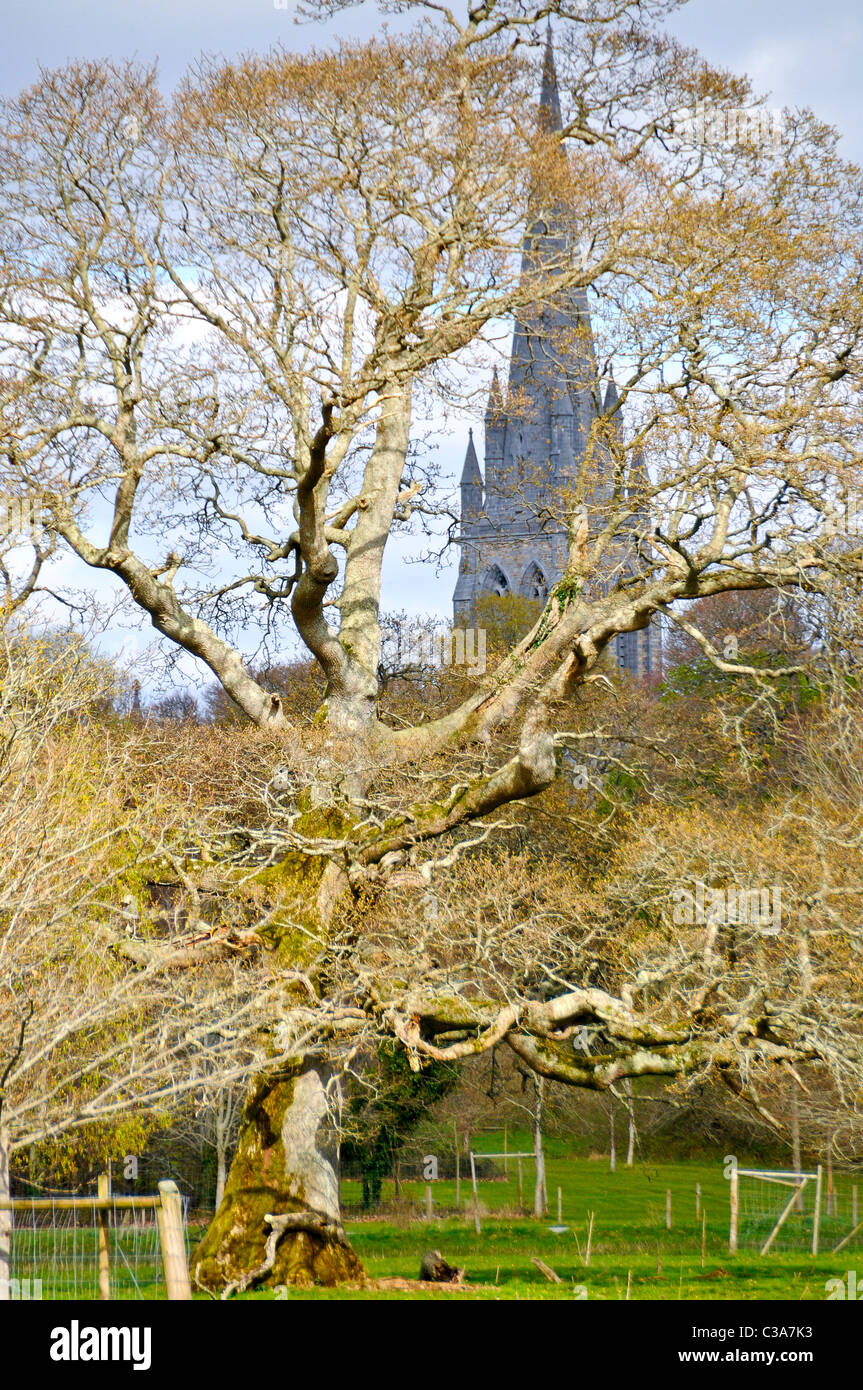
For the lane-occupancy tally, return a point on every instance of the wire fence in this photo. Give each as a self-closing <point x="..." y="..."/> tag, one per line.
<point x="404" y="1191"/>
<point x="786" y="1214"/>
<point x="78" y="1248"/>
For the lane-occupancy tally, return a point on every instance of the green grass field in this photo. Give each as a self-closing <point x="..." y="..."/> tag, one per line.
<point x="630" y="1243"/>
<point x="632" y="1253"/>
<point x="66" y="1260"/>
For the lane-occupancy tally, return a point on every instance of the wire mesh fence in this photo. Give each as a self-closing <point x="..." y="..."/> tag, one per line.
<point x="401" y="1192"/>
<point x="78" y="1248"/>
<point x="792" y="1215"/>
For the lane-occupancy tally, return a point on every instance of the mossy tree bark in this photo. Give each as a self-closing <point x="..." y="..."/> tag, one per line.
<point x="286" y="1166"/>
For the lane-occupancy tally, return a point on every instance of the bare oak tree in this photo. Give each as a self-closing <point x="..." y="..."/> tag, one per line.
<point x="217" y="319"/>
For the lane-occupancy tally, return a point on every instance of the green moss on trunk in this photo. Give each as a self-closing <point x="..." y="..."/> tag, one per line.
<point x="268" y="1178"/>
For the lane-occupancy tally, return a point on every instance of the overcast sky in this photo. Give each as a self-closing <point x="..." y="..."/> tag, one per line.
<point x="802" y="54"/>
<point x="797" y="54"/>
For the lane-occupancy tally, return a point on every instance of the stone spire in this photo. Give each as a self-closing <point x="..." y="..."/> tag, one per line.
<point x="494" y="410"/>
<point x="471" y="482"/>
<point x="512" y="536"/>
<point x="549" y="99"/>
<point x="495" y="444"/>
<point x="552" y="378"/>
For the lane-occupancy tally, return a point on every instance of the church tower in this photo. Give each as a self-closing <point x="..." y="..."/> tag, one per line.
<point x="511" y="537"/>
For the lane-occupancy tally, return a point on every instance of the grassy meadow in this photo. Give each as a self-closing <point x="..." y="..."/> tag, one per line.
<point x="616" y="1244"/>
<point x="632" y="1254"/>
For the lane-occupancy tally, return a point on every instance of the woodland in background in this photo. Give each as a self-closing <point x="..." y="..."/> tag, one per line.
<point x="694" y="738"/>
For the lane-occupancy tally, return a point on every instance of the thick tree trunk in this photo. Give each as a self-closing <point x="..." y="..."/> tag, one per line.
<point x="286" y="1166"/>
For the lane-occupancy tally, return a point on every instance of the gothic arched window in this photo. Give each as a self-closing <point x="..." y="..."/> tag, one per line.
<point x="495" y="582"/>
<point x="534" y="583"/>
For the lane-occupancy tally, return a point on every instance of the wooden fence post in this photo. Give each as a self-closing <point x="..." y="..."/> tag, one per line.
<point x="6" y="1217"/>
<point x="732" y="1234"/>
<point x="540" y="1203"/>
<point x="831" y="1197"/>
<point x="697" y="1200"/>
<point x="668" y="1208"/>
<point x="457" y="1173"/>
<point x="476" y="1222"/>
<point x="169" y="1215"/>
<point x="816" y="1220"/>
<point x="104" y="1191"/>
<point x="850" y="1236"/>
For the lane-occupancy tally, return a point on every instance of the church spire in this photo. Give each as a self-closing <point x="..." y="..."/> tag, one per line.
<point x="549" y="100"/>
<point x="471" y="482"/>
<point x="494" y="409"/>
<point x="470" y="474"/>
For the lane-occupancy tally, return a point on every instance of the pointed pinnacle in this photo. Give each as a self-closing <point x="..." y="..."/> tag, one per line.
<point x="494" y="408"/>
<point x="549" y="101"/>
<point x="470" y="474"/>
